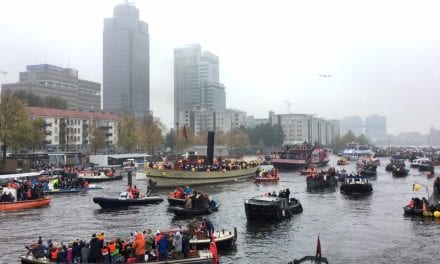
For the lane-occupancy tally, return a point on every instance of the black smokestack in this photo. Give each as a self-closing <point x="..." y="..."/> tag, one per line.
<point x="210" y="150"/>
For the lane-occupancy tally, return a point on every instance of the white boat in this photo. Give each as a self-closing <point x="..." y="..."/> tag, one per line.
<point x="354" y="151"/>
<point x="421" y="161"/>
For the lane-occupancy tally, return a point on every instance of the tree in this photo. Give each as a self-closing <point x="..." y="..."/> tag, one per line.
<point x="66" y="134"/>
<point x="237" y="140"/>
<point x="35" y="100"/>
<point x="150" y="133"/>
<point x="96" y="136"/>
<point x="170" y="139"/>
<point x="127" y="132"/>
<point x="13" y="121"/>
<point x="36" y="133"/>
<point x="266" y="134"/>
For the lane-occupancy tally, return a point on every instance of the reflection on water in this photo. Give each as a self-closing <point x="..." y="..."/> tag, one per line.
<point x="353" y="229"/>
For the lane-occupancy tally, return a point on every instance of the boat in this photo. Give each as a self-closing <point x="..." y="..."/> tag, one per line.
<point x="267" y="176"/>
<point x="170" y="178"/>
<point x="368" y="171"/>
<point x="417" y="162"/>
<point x="354" y="151"/>
<point x="309" y="171"/>
<point x="342" y="162"/>
<point x="400" y="171"/>
<point x="224" y="239"/>
<point x="300" y="156"/>
<point x="196" y="257"/>
<point x="356" y="185"/>
<point x="395" y="161"/>
<point x="318" y="258"/>
<point x="173" y="201"/>
<point x="321" y="180"/>
<point x="340" y="175"/>
<point x="27" y="204"/>
<point x="416" y="208"/>
<point x="123" y="201"/>
<point x="273" y="208"/>
<point x="72" y="190"/>
<point x="189" y="212"/>
<point x="426" y="167"/>
<point x="108" y="173"/>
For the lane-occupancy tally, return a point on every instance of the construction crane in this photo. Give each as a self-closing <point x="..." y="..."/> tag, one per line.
<point x="288" y="106"/>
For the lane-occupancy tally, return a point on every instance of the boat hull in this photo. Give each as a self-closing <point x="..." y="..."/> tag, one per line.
<point x="204" y="257"/>
<point x="101" y="178"/>
<point x="28" y="204"/>
<point x="262" y="210"/>
<point x="356" y="188"/>
<point x="224" y="239"/>
<point x="266" y="179"/>
<point x="315" y="182"/>
<point x="172" y="178"/>
<point x="176" y="201"/>
<point x="112" y="203"/>
<point x="290" y="164"/>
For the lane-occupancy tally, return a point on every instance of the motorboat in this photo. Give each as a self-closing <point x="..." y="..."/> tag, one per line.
<point x="356" y="185"/>
<point x="272" y="208"/>
<point x="125" y="201"/>
<point x="321" y="180"/>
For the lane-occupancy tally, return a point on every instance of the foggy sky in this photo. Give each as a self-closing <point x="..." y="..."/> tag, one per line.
<point x="383" y="56"/>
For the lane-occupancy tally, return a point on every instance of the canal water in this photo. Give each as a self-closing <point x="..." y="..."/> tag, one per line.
<point x="369" y="229"/>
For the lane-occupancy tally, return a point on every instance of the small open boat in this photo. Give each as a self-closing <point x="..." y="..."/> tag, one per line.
<point x="223" y="238"/>
<point x="27" y="204"/>
<point x="73" y="190"/>
<point x="267" y="176"/>
<point x="185" y="212"/>
<point x="342" y="161"/>
<point x="123" y="201"/>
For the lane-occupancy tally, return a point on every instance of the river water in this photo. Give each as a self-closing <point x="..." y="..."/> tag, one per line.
<point x="370" y="229"/>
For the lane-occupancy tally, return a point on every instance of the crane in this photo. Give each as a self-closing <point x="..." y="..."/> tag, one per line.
<point x="288" y="106"/>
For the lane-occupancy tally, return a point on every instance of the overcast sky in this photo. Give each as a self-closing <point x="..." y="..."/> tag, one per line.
<point x="383" y="56"/>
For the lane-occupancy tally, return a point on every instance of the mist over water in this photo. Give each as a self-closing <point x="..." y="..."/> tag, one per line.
<point x="369" y="229"/>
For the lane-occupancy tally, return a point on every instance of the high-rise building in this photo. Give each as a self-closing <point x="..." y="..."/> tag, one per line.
<point x="353" y="123"/>
<point x="376" y="128"/>
<point x="126" y="62"/>
<point x="52" y="81"/>
<point x="196" y="81"/>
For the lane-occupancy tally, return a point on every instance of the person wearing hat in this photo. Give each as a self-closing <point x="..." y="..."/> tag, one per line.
<point x="139" y="246"/>
<point x="95" y="249"/>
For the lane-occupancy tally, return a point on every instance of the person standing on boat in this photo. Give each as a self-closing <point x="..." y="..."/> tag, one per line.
<point x="208" y="227"/>
<point x="139" y="246"/>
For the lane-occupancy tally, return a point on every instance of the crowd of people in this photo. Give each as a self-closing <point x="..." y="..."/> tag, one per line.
<point x="200" y="165"/>
<point x="193" y="199"/>
<point x="23" y="191"/>
<point x="139" y="247"/>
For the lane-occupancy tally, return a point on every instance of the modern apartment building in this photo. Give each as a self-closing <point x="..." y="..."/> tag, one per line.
<point x="71" y="128"/>
<point x="126" y="62"/>
<point x="376" y="128"/>
<point x="299" y="128"/>
<point x="196" y="81"/>
<point x="48" y="80"/>
<point x="353" y="123"/>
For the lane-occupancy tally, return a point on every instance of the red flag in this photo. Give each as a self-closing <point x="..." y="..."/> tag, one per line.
<point x="185" y="133"/>
<point x="213" y="249"/>
<point x="318" y="248"/>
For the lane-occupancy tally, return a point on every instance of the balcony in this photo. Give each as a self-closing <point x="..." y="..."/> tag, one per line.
<point x="48" y="133"/>
<point x="48" y="124"/>
<point x="108" y="134"/>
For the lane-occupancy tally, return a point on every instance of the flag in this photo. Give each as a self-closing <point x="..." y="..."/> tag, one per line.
<point x="185" y="133"/>
<point x="416" y="187"/>
<point x="318" y="248"/>
<point x="213" y="249"/>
